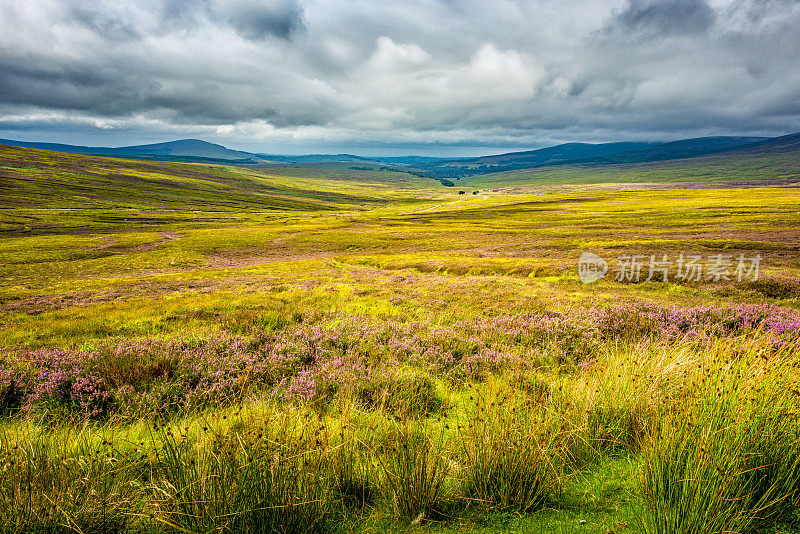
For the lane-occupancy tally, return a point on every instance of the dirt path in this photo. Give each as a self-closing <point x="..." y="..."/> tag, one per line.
<point x="485" y="197"/>
<point x="439" y="206"/>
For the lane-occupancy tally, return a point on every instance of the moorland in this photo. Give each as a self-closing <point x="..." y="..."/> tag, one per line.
<point x="325" y="347"/>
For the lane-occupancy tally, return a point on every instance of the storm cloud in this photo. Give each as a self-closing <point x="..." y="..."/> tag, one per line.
<point x="452" y="76"/>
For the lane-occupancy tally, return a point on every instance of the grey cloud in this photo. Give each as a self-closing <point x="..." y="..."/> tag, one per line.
<point x="654" y="18"/>
<point x="257" y="20"/>
<point x="758" y="10"/>
<point x="251" y="19"/>
<point x="182" y="15"/>
<point x="105" y="25"/>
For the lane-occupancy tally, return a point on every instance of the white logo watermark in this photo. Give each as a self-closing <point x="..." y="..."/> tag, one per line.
<point x="591" y="267"/>
<point x="663" y="267"/>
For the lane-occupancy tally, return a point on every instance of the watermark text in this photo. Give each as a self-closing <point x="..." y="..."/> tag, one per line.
<point x="636" y="268"/>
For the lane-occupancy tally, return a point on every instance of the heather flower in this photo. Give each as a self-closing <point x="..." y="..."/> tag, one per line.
<point x="315" y="360"/>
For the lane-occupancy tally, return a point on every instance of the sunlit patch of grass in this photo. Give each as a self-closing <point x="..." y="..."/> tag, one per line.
<point x="510" y="446"/>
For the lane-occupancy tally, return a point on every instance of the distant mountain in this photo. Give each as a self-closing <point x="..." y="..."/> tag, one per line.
<point x="686" y="148"/>
<point x="182" y="150"/>
<point x="187" y="147"/>
<point x="318" y="158"/>
<point x="773" y="161"/>
<point x="350" y="158"/>
<point x="526" y="159"/>
<point x="409" y="160"/>
<point x="445" y="170"/>
<point x="559" y="153"/>
<point x="196" y="150"/>
<point x="585" y="154"/>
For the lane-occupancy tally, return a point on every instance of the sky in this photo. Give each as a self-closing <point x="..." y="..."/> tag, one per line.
<point x="374" y="77"/>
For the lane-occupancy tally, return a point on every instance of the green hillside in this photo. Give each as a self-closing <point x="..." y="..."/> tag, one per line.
<point x="33" y="178"/>
<point x="776" y="162"/>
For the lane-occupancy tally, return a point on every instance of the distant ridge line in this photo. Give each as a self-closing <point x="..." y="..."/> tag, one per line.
<point x="582" y="154"/>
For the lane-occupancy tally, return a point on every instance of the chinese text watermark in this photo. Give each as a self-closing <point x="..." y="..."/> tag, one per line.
<point x="664" y="267"/>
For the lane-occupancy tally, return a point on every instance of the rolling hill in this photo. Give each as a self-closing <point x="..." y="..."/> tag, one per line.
<point x="558" y="153"/>
<point x="587" y="154"/>
<point x="774" y="161"/>
<point x="186" y="150"/>
<point x="187" y="147"/>
<point x="686" y="148"/>
<point x="784" y="143"/>
<point x="41" y="179"/>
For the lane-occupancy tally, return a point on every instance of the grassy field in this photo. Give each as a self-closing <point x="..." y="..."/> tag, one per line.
<point x="198" y="348"/>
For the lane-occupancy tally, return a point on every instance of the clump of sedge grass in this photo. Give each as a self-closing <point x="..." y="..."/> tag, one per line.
<point x="416" y="471"/>
<point x="351" y="473"/>
<point x="729" y="459"/>
<point x="513" y="454"/>
<point x="243" y="482"/>
<point x="60" y="480"/>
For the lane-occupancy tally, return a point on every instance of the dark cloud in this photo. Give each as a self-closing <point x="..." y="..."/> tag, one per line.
<point x="255" y="20"/>
<point x="73" y="85"/>
<point x="258" y="20"/>
<point x="656" y="18"/>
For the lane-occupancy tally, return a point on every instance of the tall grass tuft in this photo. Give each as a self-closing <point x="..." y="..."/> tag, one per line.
<point x="242" y="482"/>
<point x="351" y="471"/>
<point x="416" y="471"/>
<point x="60" y="480"/>
<point x="727" y="460"/>
<point x="513" y="453"/>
